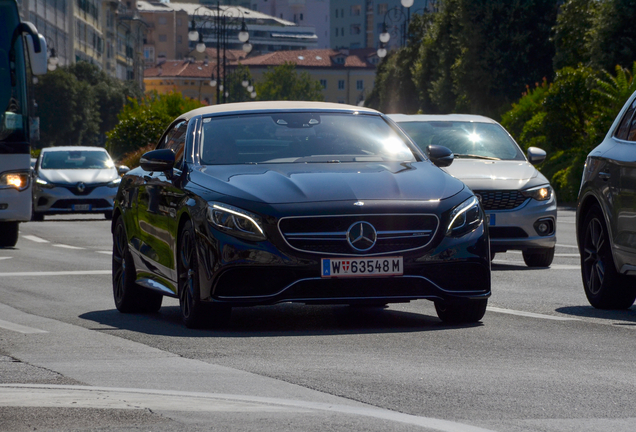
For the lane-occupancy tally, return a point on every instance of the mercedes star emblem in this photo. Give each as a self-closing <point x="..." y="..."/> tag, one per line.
<point x="362" y="236"/>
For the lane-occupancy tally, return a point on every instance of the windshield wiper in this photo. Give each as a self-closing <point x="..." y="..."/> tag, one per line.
<point x="474" y="156"/>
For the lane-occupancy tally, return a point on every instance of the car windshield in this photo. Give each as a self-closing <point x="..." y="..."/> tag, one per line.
<point x="465" y="139"/>
<point x="76" y="159"/>
<point x="296" y="137"/>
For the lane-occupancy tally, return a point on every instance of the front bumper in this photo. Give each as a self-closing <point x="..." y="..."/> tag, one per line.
<point x="61" y="200"/>
<point x="239" y="273"/>
<point x="516" y="229"/>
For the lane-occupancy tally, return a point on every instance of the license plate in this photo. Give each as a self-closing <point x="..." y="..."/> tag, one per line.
<point x="362" y="267"/>
<point x="491" y="219"/>
<point x="81" y="207"/>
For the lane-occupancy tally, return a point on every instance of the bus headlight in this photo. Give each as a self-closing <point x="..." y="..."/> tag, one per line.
<point x="17" y="180"/>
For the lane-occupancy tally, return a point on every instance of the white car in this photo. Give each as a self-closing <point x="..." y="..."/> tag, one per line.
<point x="74" y="180"/>
<point x="519" y="202"/>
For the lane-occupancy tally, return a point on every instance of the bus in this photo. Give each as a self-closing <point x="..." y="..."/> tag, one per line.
<point x="21" y="49"/>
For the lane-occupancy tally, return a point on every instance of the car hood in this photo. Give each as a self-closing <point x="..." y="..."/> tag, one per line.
<point x="73" y="176"/>
<point x="297" y="183"/>
<point x="490" y="174"/>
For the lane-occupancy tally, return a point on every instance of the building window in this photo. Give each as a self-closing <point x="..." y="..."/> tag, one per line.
<point x="179" y="39"/>
<point x="382" y="8"/>
<point x="162" y="20"/>
<point x="336" y="13"/>
<point x="340" y="84"/>
<point x="355" y="29"/>
<point x="359" y="85"/>
<point x="301" y="17"/>
<point x="178" y="22"/>
<point x="163" y="38"/>
<point x="255" y="7"/>
<point x="356" y="10"/>
<point x="323" y="83"/>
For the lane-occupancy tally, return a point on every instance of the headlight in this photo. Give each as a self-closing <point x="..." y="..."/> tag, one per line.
<point x="541" y="193"/>
<point x="115" y="183"/>
<point x="236" y="222"/>
<point x="464" y="218"/>
<point x="17" y="180"/>
<point x="43" y="183"/>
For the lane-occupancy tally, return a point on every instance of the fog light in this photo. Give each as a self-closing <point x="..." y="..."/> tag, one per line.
<point x="4" y="206"/>
<point x="544" y="227"/>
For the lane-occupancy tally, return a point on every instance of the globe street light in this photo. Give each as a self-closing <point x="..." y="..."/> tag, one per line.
<point x="396" y="21"/>
<point x="224" y="20"/>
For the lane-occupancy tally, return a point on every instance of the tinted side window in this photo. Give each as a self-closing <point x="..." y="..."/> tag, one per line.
<point x="623" y="130"/>
<point x="175" y="140"/>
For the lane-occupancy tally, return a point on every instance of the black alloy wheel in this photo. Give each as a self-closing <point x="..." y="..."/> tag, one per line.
<point x="464" y="311"/>
<point x="129" y="297"/>
<point x="194" y="312"/>
<point x="604" y="287"/>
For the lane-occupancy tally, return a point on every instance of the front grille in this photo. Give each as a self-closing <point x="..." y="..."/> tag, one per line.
<point x="88" y="189"/>
<point x="501" y="200"/>
<point x="328" y="234"/>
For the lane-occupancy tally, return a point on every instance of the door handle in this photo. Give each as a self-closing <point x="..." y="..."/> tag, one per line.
<point x="604" y="175"/>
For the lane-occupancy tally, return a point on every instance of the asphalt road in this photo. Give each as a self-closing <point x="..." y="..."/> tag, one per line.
<point x="541" y="360"/>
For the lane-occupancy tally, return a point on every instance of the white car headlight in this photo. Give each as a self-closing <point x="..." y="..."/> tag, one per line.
<point x="115" y="183"/>
<point x="235" y="221"/>
<point x="19" y="180"/>
<point x="541" y="193"/>
<point x="465" y="218"/>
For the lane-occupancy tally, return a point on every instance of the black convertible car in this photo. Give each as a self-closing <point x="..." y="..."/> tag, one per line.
<point x="266" y="202"/>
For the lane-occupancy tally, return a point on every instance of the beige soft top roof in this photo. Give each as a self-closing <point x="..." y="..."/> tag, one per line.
<point x="275" y="106"/>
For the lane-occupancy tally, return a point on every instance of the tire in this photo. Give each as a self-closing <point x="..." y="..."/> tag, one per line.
<point x="467" y="311"/>
<point x="538" y="257"/>
<point x="108" y="215"/>
<point x="129" y="297"/>
<point x="8" y="234"/>
<point x="604" y="287"/>
<point x="194" y="312"/>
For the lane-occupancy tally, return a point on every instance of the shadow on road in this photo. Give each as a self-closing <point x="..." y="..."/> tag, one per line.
<point x="628" y="316"/>
<point x="499" y="266"/>
<point x="278" y="320"/>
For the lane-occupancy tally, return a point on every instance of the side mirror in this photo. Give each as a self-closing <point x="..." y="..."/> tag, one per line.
<point x="37" y="58"/>
<point x="122" y="169"/>
<point x="158" y="161"/>
<point x="440" y="155"/>
<point x="536" y="155"/>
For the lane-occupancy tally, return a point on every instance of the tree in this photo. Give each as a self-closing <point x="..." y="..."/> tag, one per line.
<point x="613" y="35"/>
<point x="504" y="45"/>
<point x="284" y="83"/>
<point x="67" y="108"/>
<point x="234" y="84"/>
<point x="571" y="33"/>
<point x="395" y="90"/>
<point x="142" y="122"/>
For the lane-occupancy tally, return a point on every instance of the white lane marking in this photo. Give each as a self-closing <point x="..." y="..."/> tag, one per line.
<point x="19" y="328"/>
<point x="4" y="258"/>
<point x="118" y="398"/>
<point x="35" y="239"/>
<point x="529" y="314"/>
<point x="67" y="246"/>
<point x="567" y="246"/>
<point x="59" y="273"/>
<point x="105" y="252"/>
<point x="556" y="254"/>
<point x="552" y="267"/>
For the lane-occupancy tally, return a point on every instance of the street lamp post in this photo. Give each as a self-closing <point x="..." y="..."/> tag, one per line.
<point x="396" y="23"/>
<point x="221" y="22"/>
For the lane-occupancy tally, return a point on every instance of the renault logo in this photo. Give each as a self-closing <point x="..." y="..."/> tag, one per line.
<point x="81" y="187"/>
<point x="362" y="236"/>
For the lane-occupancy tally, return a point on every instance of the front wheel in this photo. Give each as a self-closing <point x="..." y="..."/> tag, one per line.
<point x="605" y="288"/>
<point x="129" y="297"/>
<point x="538" y="257"/>
<point x="194" y="312"/>
<point x="464" y="311"/>
<point x="8" y="234"/>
